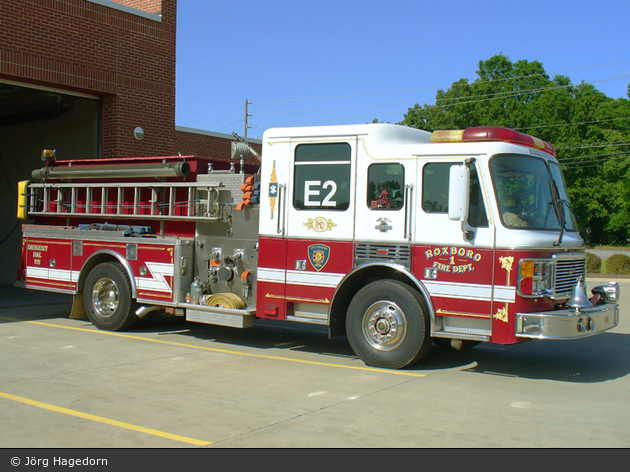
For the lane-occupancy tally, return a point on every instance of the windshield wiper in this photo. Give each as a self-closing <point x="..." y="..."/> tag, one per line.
<point x="566" y="203"/>
<point x="549" y="205"/>
<point x="558" y="208"/>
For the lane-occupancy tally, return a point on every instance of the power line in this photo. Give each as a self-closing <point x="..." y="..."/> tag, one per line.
<point x="329" y="109"/>
<point x="397" y="112"/>
<point x="590" y="156"/>
<point x="593" y="160"/>
<point x="432" y="88"/>
<point x="575" y="123"/>
<point x="511" y="93"/>
<point x="591" y="146"/>
<point x="597" y="163"/>
<point x="231" y="124"/>
<point x="219" y="119"/>
<point x="460" y="100"/>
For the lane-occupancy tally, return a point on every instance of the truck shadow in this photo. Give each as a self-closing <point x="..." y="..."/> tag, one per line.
<point x="589" y="360"/>
<point x="264" y="335"/>
<point x="20" y="304"/>
<point x="15" y="298"/>
<point x="597" y="359"/>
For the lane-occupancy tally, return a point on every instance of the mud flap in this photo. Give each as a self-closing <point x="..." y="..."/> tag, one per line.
<point x="78" y="308"/>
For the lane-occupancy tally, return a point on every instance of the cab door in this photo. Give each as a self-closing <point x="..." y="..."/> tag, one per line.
<point x="455" y="261"/>
<point x="319" y="226"/>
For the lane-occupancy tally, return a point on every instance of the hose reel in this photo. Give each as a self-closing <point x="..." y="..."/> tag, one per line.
<point x="224" y="300"/>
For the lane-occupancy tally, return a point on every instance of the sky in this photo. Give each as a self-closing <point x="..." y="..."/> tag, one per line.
<point x="324" y="62"/>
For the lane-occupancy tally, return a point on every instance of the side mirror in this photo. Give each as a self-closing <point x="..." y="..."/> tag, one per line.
<point x="458" y="192"/>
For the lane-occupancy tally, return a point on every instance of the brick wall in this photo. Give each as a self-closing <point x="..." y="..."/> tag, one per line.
<point x="101" y="48"/>
<point x="127" y="59"/>
<point x="150" y="6"/>
<point x="201" y="144"/>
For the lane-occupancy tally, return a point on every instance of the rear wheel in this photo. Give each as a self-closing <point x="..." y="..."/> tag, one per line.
<point x="107" y="297"/>
<point x="388" y="325"/>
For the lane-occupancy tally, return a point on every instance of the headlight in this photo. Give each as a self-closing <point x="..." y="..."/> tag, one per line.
<point x="534" y="278"/>
<point x="609" y="293"/>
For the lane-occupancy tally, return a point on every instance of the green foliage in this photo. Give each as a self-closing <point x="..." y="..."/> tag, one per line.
<point x="593" y="263"/>
<point x="618" y="264"/>
<point x="590" y="131"/>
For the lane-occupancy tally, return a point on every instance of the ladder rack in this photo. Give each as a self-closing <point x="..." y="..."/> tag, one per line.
<point x="146" y="200"/>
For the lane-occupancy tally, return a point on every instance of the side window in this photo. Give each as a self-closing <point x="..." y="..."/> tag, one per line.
<point x="435" y="193"/>
<point x="322" y="176"/>
<point x="477" y="217"/>
<point x="435" y="187"/>
<point x="386" y="184"/>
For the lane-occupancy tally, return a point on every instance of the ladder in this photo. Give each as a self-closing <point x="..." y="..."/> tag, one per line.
<point x="192" y="201"/>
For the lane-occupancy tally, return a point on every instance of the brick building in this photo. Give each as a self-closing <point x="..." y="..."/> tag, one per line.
<point x="91" y="79"/>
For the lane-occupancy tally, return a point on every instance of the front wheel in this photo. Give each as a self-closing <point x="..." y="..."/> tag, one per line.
<point x="107" y="297"/>
<point x="388" y="325"/>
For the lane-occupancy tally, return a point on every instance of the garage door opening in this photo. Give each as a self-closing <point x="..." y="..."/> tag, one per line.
<point x="32" y="119"/>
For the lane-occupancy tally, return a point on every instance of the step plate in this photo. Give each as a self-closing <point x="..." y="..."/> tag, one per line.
<point x="220" y="319"/>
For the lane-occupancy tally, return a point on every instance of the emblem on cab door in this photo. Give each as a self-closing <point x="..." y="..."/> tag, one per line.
<point x="382" y="224"/>
<point x="318" y="256"/>
<point x="320" y="224"/>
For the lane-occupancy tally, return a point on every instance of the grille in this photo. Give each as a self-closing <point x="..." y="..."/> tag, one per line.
<point x="369" y="252"/>
<point x="569" y="268"/>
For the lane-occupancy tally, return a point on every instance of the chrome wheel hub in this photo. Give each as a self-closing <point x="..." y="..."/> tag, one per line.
<point x="105" y="297"/>
<point x="384" y="325"/>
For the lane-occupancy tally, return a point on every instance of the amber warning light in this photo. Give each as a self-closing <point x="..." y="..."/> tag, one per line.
<point x="49" y="155"/>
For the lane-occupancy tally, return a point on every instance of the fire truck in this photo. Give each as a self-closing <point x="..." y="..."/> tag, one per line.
<point x="392" y="236"/>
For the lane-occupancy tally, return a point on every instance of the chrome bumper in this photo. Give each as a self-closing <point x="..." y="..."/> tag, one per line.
<point x="570" y="323"/>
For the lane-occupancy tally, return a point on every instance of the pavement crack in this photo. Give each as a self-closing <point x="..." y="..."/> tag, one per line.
<point x="219" y="442"/>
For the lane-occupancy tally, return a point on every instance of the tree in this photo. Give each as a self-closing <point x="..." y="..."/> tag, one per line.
<point x="590" y="131"/>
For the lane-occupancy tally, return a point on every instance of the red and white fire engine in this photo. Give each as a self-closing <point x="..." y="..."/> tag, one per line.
<point x="393" y="236"/>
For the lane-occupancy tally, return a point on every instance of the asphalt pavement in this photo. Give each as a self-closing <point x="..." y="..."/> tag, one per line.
<point x="171" y="384"/>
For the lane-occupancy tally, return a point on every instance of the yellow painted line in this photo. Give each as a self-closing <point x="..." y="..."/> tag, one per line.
<point x="225" y="351"/>
<point x="108" y="421"/>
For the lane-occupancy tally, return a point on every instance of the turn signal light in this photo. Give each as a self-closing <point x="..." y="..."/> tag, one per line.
<point x="527" y="269"/>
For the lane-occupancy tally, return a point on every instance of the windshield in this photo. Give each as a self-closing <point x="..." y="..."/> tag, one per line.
<point x="569" y="216"/>
<point x="524" y="192"/>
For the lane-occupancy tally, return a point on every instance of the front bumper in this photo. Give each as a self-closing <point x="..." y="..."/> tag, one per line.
<point x="570" y="323"/>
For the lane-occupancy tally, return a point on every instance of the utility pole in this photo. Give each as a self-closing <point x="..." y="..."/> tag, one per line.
<point x="247" y="116"/>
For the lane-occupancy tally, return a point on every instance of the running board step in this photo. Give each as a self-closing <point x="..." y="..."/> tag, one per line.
<point x="462" y="336"/>
<point x="220" y="316"/>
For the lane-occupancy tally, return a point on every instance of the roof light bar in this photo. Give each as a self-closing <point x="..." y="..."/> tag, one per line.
<point x="491" y="133"/>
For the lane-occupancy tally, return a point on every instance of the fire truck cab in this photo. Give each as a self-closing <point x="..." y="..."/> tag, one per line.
<point x="393" y="236"/>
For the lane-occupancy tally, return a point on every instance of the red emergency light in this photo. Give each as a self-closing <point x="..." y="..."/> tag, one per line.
<point x="491" y="133"/>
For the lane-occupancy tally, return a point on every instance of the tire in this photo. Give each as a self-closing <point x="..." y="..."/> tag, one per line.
<point x="107" y="297"/>
<point x="388" y="325"/>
